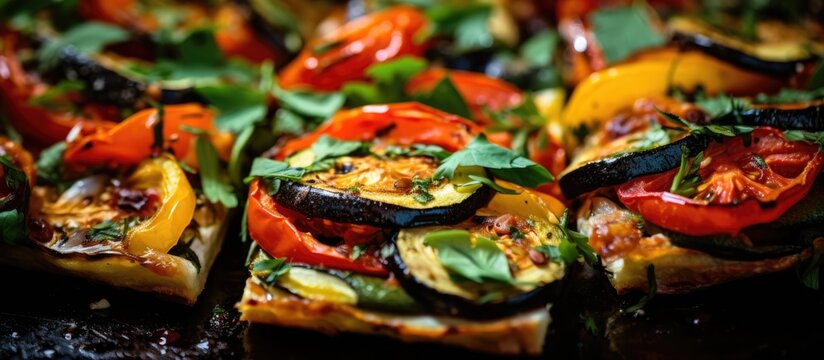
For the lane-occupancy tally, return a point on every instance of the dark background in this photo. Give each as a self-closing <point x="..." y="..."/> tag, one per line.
<point x="48" y="316"/>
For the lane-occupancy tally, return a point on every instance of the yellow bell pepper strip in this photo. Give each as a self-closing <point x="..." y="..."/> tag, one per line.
<point x="608" y="91"/>
<point x="161" y="231"/>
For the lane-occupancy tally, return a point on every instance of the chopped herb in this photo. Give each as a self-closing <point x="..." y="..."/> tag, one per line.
<point x="529" y="122"/>
<point x="432" y="151"/>
<point x="109" y="230"/>
<point x="326" y="148"/>
<point x="268" y="168"/>
<point x="481" y="263"/>
<point x="467" y="24"/>
<point x="579" y="240"/>
<point x="482" y="180"/>
<point x="501" y="163"/>
<point x="86" y="38"/>
<point x="714" y="130"/>
<point x="446" y="97"/>
<point x="800" y="135"/>
<point x="817" y="80"/>
<point x="354" y="189"/>
<point x="539" y="50"/>
<point x="323" y="48"/>
<point x="268" y="270"/>
<point x="50" y="167"/>
<point x="686" y="179"/>
<point x="244" y="225"/>
<point x="239" y="107"/>
<point x="623" y="30"/>
<point x="218" y="310"/>
<point x="216" y="187"/>
<point x="184" y="249"/>
<point x="57" y="97"/>
<point x="759" y="161"/>
<point x="13" y="221"/>
<point x="811" y="274"/>
<point x="589" y="323"/>
<point x="420" y="188"/>
<point x="652" y="289"/>
<point x="158" y="142"/>
<point x="516" y="233"/>
<point x="790" y="96"/>
<point x="357" y="251"/>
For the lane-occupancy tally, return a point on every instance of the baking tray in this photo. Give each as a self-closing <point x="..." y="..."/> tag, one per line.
<point x="48" y="316"/>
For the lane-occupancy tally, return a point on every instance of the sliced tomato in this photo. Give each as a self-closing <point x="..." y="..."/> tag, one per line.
<point x="328" y="62"/>
<point x="279" y="236"/>
<point x="131" y="141"/>
<point x="741" y="185"/>
<point x="235" y="37"/>
<point x="480" y="92"/>
<point x="397" y="124"/>
<point x="38" y="125"/>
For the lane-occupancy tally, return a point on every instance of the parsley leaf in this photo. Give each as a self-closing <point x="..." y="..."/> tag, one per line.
<point x="13" y="221"/>
<point x="501" y="163"/>
<point x="482" y="262"/>
<point x="446" y="97"/>
<point x="467" y="24"/>
<point x="714" y="130"/>
<point x="388" y="82"/>
<point x="686" y="179"/>
<point x="651" y="291"/>
<point x="268" y="168"/>
<point x="801" y="135"/>
<point x="579" y="240"/>
<point x="238" y="106"/>
<point x="87" y="38"/>
<point x="216" y="188"/>
<point x="329" y="148"/>
<point x="539" y="50"/>
<point x="50" y="167"/>
<point x="621" y="31"/>
<point x="269" y="270"/>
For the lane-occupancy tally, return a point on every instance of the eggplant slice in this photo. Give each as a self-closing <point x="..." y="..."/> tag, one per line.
<point x="103" y="85"/>
<point x="625" y="167"/>
<point x="419" y="270"/>
<point x="807" y="117"/>
<point x="789" y="47"/>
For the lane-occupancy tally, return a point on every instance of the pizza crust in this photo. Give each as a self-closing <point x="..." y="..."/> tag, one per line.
<point x="171" y="276"/>
<point x="516" y="335"/>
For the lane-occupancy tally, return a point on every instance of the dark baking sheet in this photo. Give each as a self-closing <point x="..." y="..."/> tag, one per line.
<point x="46" y="316"/>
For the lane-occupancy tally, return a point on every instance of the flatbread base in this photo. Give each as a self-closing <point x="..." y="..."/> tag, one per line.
<point x="177" y="279"/>
<point x="516" y="335"/>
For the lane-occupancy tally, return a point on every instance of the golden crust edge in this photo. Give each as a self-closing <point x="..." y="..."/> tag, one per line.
<point x="183" y="283"/>
<point x="522" y="334"/>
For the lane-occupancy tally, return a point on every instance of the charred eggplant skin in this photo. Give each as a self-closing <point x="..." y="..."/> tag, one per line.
<point x="737" y="57"/>
<point x="452" y="305"/>
<point x="809" y="119"/>
<point x="618" y="170"/>
<point x="102" y="84"/>
<point x="352" y="209"/>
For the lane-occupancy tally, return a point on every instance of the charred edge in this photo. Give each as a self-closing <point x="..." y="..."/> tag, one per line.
<point x="618" y="170"/>
<point x="352" y="209"/>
